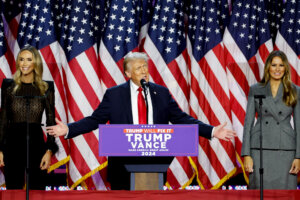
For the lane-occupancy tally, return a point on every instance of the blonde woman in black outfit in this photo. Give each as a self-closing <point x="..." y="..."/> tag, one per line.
<point x="27" y="81"/>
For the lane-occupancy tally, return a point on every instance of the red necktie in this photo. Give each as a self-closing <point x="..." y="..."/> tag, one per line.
<point x="142" y="110"/>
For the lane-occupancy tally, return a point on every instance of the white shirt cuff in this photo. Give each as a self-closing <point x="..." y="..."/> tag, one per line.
<point x="66" y="136"/>
<point x="212" y="132"/>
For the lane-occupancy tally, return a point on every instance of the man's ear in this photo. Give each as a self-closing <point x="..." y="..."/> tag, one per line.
<point x="128" y="74"/>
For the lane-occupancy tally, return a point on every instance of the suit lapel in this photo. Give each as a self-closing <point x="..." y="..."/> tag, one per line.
<point x="153" y="94"/>
<point x="127" y="99"/>
<point x="271" y="102"/>
<point x="279" y="94"/>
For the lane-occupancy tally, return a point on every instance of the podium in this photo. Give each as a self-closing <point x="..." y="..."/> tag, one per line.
<point x="146" y="151"/>
<point x="147" y="177"/>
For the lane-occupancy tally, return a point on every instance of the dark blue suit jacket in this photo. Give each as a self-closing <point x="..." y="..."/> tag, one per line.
<point x="116" y="108"/>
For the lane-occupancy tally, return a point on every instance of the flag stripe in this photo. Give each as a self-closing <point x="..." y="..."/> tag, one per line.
<point x="179" y="77"/>
<point x="215" y="84"/>
<point x="48" y="56"/>
<point x="105" y="76"/>
<point x="83" y="82"/>
<point x="236" y="71"/>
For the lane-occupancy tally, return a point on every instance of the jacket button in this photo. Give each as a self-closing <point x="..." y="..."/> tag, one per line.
<point x="277" y="123"/>
<point x="267" y="122"/>
<point x="266" y="111"/>
<point x="280" y="112"/>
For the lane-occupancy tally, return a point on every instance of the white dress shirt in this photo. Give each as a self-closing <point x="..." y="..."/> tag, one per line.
<point x="134" y="103"/>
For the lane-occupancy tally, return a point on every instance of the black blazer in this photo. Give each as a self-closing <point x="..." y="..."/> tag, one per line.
<point x="116" y="108"/>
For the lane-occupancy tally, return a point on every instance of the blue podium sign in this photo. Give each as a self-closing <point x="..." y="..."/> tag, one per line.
<point x="148" y="140"/>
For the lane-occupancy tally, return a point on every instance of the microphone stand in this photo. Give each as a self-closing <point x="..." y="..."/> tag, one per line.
<point x="27" y="146"/>
<point x="27" y="173"/>
<point x="261" y="169"/>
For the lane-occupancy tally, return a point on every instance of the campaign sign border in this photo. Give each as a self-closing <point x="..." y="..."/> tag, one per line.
<point x="122" y="140"/>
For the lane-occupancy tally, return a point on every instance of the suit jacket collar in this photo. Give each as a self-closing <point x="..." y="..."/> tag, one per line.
<point x="127" y="101"/>
<point x="272" y="101"/>
<point x="279" y="94"/>
<point x="153" y="95"/>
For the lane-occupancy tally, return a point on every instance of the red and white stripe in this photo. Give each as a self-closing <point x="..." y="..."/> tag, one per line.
<point x="210" y="101"/>
<point x="173" y="75"/>
<point x="83" y="91"/>
<point x="5" y="72"/>
<point x="293" y="58"/>
<point x="53" y="71"/>
<point x="241" y="74"/>
<point x="111" y="72"/>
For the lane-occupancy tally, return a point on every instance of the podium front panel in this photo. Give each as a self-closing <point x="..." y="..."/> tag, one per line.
<point x="148" y="140"/>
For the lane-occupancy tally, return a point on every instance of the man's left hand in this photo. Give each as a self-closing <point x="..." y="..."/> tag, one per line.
<point x="222" y="133"/>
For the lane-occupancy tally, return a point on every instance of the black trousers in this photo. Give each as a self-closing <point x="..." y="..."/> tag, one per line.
<point x="14" y="173"/>
<point x="15" y="157"/>
<point x="119" y="177"/>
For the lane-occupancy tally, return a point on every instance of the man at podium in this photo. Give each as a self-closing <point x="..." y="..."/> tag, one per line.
<point x="126" y="104"/>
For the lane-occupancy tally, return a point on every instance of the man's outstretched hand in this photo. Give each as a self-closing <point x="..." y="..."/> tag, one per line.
<point x="222" y="133"/>
<point x="60" y="129"/>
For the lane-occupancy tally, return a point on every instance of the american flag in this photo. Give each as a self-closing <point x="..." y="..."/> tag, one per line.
<point x="122" y="24"/>
<point x="4" y="65"/>
<point x="100" y="12"/>
<point x="11" y="17"/>
<point x="288" y="37"/>
<point x="11" y="8"/>
<point x="36" y="28"/>
<point x="83" y="43"/>
<point x="165" y="44"/>
<point x="120" y="36"/>
<point x="8" y="31"/>
<point x="223" y="13"/>
<point x="147" y="10"/>
<point x="82" y="81"/>
<point x="57" y="7"/>
<point x="210" y="100"/>
<point x="247" y="43"/>
<point x="274" y="9"/>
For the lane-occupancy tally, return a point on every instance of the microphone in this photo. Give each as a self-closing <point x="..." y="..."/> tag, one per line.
<point x="259" y="96"/>
<point x="144" y="84"/>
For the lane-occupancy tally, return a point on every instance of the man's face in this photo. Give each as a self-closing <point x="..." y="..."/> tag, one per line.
<point x="137" y="69"/>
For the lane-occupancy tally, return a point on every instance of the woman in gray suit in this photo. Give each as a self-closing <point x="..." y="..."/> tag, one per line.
<point x="281" y="142"/>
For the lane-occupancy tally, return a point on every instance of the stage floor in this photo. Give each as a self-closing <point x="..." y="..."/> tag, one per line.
<point x="151" y="195"/>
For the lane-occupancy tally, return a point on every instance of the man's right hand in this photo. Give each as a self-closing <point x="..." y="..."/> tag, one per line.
<point x="248" y="164"/>
<point x="60" y="129"/>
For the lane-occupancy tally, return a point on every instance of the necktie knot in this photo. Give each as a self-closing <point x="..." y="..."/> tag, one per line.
<point x="140" y="89"/>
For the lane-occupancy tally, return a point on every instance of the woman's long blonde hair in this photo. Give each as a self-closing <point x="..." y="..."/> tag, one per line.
<point x="38" y="71"/>
<point x="289" y="93"/>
